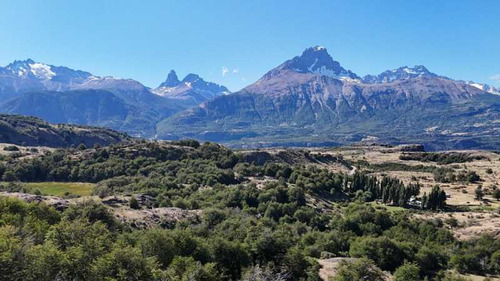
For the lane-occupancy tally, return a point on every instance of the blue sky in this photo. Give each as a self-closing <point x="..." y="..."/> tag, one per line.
<point x="143" y="40"/>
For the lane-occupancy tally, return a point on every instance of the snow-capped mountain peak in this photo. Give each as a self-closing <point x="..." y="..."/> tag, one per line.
<point x="20" y="67"/>
<point x="29" y="69"/>
<point x="42" y="71"/>
<point x="192" y="89"/>
<point x="314" y="60"/>
<point x="39" y="70"/>
<point x="404" y="72"/>
<point x="484" y="87"/>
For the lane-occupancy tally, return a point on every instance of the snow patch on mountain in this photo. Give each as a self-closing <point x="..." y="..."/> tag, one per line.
<point x="42" y="71"/>
<point x="401" y="73"/>
<point x="485" y="87"/>
<point x="314" y="60"/>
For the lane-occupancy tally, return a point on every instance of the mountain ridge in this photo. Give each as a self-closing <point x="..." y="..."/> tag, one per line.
<point x="22" y="80"/>
<point x="296" y="103"/>
<point x="192" y="90"/>
<point x="309" y="99"/>
<point x="32" y="131"/>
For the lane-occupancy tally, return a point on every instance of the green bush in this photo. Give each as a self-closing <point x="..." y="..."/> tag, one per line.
<point x="407" y="272"/>
<point x="362" y="269"/>
<point x="11" y="148"/>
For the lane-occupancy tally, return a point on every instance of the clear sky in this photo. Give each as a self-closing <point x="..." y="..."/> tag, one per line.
<point x="143" y="40"/>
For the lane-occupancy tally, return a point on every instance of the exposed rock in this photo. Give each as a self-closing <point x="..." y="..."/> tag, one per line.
<point x="56" y="202"/>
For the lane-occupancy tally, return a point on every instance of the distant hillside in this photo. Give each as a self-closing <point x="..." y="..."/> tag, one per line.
<point x="85" y="107"/>
<point x="33" y="131"/>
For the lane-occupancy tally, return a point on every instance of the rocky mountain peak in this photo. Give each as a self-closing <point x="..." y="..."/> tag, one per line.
<point x="172" y="80"/>
<point x="37" y="71"/>
<point x="314" y="60"/>
<point x="190" y="78"/>
<point x="192" y="90"/>
<point x="400" y="73"/>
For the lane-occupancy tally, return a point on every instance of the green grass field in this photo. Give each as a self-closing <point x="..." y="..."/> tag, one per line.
<point x="60" y="188"/>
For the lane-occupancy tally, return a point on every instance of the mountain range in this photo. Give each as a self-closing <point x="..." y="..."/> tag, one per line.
<point x="63" y="95"/>
<point x="309" y="100"/>
<point x="312" y="100"/>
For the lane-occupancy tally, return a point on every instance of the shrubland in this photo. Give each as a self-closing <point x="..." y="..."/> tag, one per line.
<point x="246" y="230"/>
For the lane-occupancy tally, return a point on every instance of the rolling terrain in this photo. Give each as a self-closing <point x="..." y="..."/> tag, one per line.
<point x="31" y="131"/>
<point x="283" y="213"/>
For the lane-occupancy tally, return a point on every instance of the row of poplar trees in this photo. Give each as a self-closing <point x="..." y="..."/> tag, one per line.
<point x="394" y="191"/>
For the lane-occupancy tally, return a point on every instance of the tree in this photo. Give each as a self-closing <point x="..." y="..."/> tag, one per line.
<point x="304" y="214"/>
<point x="9" y="176"/>
<point x="10" y="254"/>
<point x="495" y="262"/>
<point x="212" y="217"/>
<point x="436" y="199"/>
<point x="472" y="176"/>
<point x="407" y="272"/>
<point x="92" y="212"/>
<point x="187" y="269"/>
<point x="134" y="204"/>
<point x="295" y="263"/>
<point x="124" y="263"/>
<point x="425" y="201"/>
<point x="45" y="263"/>
<point x="230" y="257"/>
<point x="160" y="244"/>
<point x="496" y="194"/>
<point x="11" y="148"/>
<point x="361" y="269"/>
<point x="83" y="242"/>
<point x="382" y="250"/>
<point x="479" y="194"/>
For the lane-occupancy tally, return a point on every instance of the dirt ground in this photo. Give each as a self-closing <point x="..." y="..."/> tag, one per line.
<point x="482" y="216"/>
<point x="459" y="193"/>
<point x="329" y="269"/>
<point x="469" y="224"/>
<point x="330" y="266"/>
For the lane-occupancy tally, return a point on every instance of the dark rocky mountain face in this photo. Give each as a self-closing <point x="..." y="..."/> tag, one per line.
<point x="172" y="80"/>
<point x="191" y="91"/>
<point x="294" y="104"/>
